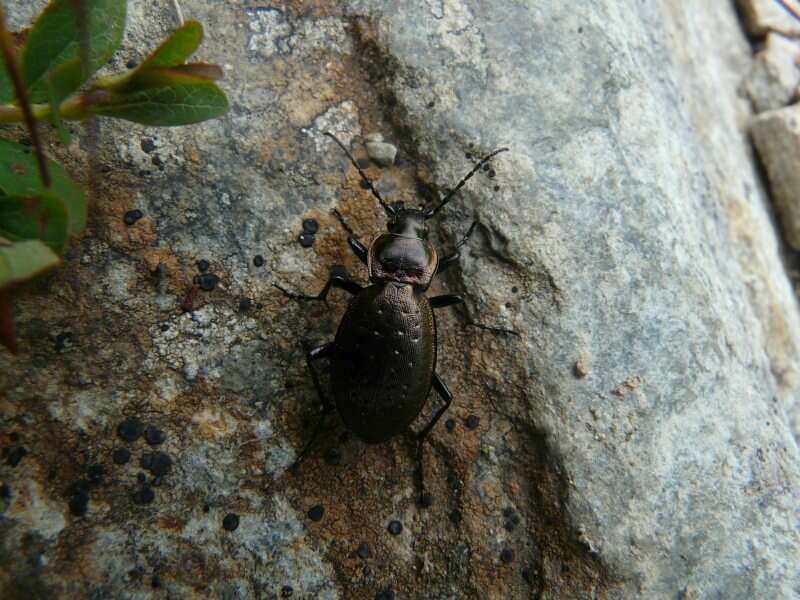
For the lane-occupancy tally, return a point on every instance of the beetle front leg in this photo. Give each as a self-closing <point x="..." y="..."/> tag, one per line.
<point x="312" y="355"/>
<point x="447" y="396"/>
<point x="359" y="249"/>
<point x="336" y="280"/>
<point x="452" y="299"/>
<point x="451" y="259"/>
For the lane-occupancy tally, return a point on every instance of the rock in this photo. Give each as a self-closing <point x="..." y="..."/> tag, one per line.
<point x="773" y="80"/>
<point x="381" y="153"/>
<point x="763" y="16"/>
<point x="777" y="137"/>
<point x="626" y="223"/>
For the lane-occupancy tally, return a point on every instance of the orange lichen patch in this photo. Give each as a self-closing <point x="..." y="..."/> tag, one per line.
<point x="153" y="257"/>
<point x="171" y="522"/>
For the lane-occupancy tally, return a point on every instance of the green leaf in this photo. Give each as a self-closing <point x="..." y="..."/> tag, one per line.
<point x="55" y="39"/>
<point x="165" y="97"/>
<point x="44" y="218"/>
<point x="24" y="260"/>
<point x="176" y="48"/>
<point x="6" y="89"/>
<point x="19" y="176"/>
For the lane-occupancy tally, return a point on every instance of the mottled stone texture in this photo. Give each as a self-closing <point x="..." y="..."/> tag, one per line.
<point x="624" y="233"/>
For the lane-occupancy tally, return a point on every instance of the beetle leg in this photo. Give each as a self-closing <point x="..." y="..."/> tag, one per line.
<point x="325" y="351"/>
<point x="359" y="249"/>
<point x="445" y="300"/>
<point x="335" y="280"/>
<point x="441" y="387"/>
<point x="451" y="259"/>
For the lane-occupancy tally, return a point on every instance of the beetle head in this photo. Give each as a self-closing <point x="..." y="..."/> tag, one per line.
<point x="404" y="254"/>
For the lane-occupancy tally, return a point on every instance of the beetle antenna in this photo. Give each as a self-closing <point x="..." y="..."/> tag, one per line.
<point x="389" y="210"/>
<point x="432" y="211"/>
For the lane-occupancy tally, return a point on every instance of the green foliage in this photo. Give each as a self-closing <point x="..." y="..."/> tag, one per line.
<point x="37" y="221"/>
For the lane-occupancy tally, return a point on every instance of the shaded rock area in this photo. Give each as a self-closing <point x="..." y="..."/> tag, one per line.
<point x="635" y="441"/>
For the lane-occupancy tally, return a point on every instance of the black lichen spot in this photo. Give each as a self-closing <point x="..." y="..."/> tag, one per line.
<point x="425" y="500"/>
<point x="333" y="456"/>
<point x="258" y="260"/>
<point x="79" y="503"/>
<point x="141" y="477"/>
<point x="5" y="491"/>
<point x="203" y="265"/>
<point x="395" y="527"/>
<point x="468" y="156"/>
<point x="492" y="173"/>
<point x="455" y="516"/>
<point x="121" y="456"/>
<point x="207" y="281"/>
<point x="130" y="217"/>
<point x="339" y="271"/>
<point x="155" y="582"/>
<point x="287" y="591"/>
<point x="148" y="145"/>
<point x="130" y="429"/>
<point x="230" y="522"/>
<point x="245" y="304"/>
<point x="310" y="226"/>
<point x="15" y="455"/>
<point x="514" y="289"/>
<point x="158" y="463"/>
<point x="156" y="160"/>
<point x="154" y="436"/>
<point x="144" y="495"/>
<point x="472" y="421"/>
<point x="387" y="594"/>
<point x="507" y="555"/>
<point x="364" y="551"/>
<point x="315" y="513"/>
<point x="206" y="508"/>
<point x="63" y="341"/>
<point x="431" y="104"/>
<point x="450" y="424"/>
<point x="306" y="240"/>
<point x="95" y="474"/>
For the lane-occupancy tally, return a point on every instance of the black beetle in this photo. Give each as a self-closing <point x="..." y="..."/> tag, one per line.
<point x="383" y="359"/>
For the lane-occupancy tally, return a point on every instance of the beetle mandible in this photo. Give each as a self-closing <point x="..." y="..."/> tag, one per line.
<point x="383" y="358"/>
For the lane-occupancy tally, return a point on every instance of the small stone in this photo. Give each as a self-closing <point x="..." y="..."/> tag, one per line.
<point x="773" y="79"/>
<point x="144" y="495"/>
<point x="395" y="527"/>
<point x="472" y="421"/>
<point x="310" y="226"/>
<point x="230" y="522"/>
<point x="15" y="455"/>
<point x="315" y="513"/>
<point x="333" y="456"/>
<point x="148" y="145"/>
<point x="130" y="429"/>
<point x="306" y="240"/>
<point x="130" y="217"/>
<point x="287" y="591"/>
<point x="381" y="153"/>
<point x="507" y="555"/>
<point x="203" y="265"/>
<point x="762" y="16"/>
<point x="154" y="436"/>
<point x="207" y="281"/>
<point x="79" y="503"/>
<point x="450" y="424"/>
<point x="258" y="260"/>
<point x="121" y="456"/>
<point x="364" y="551"/>
<point x="95" y="474"/>
<point x="581" y="367"/>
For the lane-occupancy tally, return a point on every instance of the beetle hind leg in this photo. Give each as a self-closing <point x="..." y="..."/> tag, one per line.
<point x="441" y="388"/>
<point x="312" y="355"/>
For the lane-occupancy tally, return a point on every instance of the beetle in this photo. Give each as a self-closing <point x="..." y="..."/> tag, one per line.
<point x="383" y="357"/>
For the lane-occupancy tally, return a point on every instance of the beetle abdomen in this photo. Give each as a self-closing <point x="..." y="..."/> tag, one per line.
<point x="384" y="361"/>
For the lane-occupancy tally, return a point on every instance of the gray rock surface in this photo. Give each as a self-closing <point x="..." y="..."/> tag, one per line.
<point x="777" y="137"/>
<point x="773" y="80"/>
<point x="625" y="232"/>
